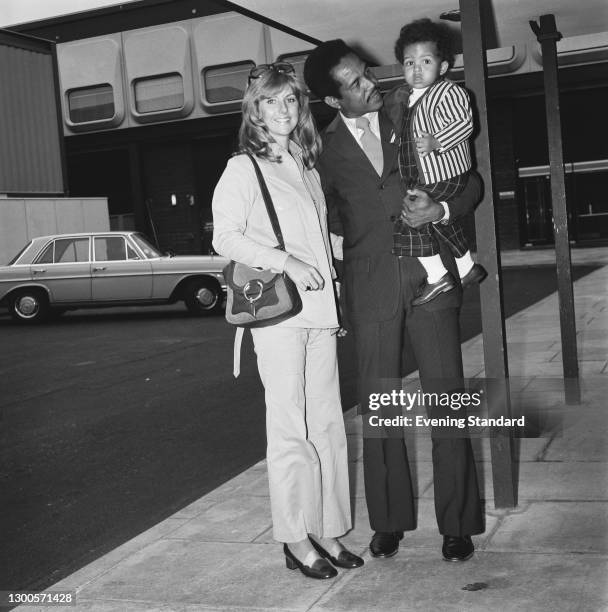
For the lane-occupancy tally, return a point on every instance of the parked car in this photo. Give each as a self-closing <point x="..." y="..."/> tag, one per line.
<point x="52" y="274"/>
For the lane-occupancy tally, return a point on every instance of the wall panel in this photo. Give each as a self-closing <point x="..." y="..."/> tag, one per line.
<point x="30" y="142"/>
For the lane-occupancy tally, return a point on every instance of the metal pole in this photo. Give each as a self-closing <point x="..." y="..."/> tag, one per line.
<point x="547" y="36"/>
<point x="492" y="316"/>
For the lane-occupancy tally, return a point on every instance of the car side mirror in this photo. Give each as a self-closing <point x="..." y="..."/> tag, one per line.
<point x="170" y="253"/>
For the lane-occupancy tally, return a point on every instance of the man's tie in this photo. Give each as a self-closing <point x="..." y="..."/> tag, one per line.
<point x="370" y="144"/>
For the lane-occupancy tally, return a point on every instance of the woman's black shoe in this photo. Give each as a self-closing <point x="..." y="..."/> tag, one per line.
<point x="345" y="559"/>
<point x="319" y="569"/>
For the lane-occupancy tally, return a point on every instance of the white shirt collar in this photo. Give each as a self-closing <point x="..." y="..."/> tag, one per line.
<point x="351" y="124"/>
<point x="416" y="94"/>
<point x="371" y="117"/>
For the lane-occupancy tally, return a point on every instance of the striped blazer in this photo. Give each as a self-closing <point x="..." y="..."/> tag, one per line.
<point x="445" y="112"/>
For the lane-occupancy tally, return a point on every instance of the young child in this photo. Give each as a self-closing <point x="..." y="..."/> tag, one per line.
<point x="434" y="151"/>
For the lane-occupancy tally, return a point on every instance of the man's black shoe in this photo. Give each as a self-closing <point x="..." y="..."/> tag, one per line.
<point x="457" y="549"/>
<point x="429" y="291"/>
<point x="385" y="543"/>
<point x="475" y="275"/>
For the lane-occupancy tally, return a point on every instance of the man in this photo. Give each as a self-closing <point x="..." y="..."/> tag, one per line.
<point x="360" y="176"/>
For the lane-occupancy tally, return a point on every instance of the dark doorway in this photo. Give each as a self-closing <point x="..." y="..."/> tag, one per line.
<point x="104" y="174"/>
<point x="587" y="207"/>
<point x="171" y="201"/>
<point x="536" y="220"/>
<point x="589" y="196"/>
<point x="179" y="181"/>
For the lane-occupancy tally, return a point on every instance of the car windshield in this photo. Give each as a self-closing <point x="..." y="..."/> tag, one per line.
<point x="148" y="249"/>
<point x="14" y="259"/>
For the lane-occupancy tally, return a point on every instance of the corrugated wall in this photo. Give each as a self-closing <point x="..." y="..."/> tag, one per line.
<point x="22" y="219"/>
<point x="30" y="145"/>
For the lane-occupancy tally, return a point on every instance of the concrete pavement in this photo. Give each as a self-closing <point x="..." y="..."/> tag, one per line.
<point x="549" y="553"/>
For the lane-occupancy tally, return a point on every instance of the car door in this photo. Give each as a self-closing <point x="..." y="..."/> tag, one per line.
<point x="118" y="271"/>
<point x="64" y="268"/>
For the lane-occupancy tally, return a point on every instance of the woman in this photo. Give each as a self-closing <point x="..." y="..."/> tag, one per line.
<point x="306" y="450"/>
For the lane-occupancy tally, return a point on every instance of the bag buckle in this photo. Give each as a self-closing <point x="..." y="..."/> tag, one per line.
<point x="252" y="286"/>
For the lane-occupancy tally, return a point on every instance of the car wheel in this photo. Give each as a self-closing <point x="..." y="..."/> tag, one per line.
<point x="29" y="306"/>
<point x="203" y="296"/>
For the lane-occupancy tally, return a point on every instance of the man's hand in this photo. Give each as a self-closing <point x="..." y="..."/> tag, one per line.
<point x="419" y="209"/>
<point x="426" y="143"/>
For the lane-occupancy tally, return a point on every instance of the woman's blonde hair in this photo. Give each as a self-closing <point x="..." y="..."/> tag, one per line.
<point x="254" y="137"/>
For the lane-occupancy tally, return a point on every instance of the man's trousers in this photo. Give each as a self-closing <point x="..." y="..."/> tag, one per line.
<point x="433" y="330"/>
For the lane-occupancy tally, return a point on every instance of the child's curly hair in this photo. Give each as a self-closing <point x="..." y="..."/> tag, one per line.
<point x="425" y="30"/>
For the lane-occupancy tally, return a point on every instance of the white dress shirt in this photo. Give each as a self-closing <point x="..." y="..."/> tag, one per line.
<point x="374" y="126"/>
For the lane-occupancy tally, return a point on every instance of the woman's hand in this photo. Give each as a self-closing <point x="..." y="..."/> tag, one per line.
<point x="305" y="276"/>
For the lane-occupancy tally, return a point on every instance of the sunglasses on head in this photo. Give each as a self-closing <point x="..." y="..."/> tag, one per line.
<point x="281" y="67"/>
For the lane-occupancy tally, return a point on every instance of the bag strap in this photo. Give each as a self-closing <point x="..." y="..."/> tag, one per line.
<point x="274" y="220"/>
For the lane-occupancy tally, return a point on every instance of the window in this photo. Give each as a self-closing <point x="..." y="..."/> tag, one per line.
<point x="131" y="253"/>
<point x="47" y="255"/>
<point x="110" y="248"/>
<point x="226" y="83"/>
<point x="66" y="250"/>
<point x="71" y="250"/>
<point x="159" y="93"/>
<point x="91" y="104"/>
<point x="149" y="250"/>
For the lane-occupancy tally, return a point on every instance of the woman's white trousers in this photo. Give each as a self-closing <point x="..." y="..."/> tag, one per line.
<point x="306" y="452"/>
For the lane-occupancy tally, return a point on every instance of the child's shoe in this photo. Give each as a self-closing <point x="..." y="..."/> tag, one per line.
<point x="429" y="291"/>
<point x="475" y="275"/>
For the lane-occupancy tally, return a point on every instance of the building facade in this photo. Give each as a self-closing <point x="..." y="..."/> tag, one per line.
<point x="151" y="92"/>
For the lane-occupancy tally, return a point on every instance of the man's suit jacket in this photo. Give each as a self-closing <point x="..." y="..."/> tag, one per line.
<point x="362" y="207"/>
